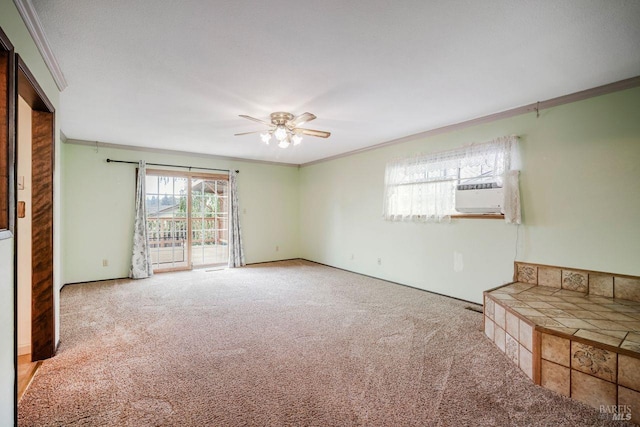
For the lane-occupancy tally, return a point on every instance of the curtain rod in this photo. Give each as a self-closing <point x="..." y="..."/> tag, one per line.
<point x="171" y="166"/>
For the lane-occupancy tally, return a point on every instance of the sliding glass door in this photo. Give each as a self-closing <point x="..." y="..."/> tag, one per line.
<point x="187" y="219"/>
<point x="209" y="221"/>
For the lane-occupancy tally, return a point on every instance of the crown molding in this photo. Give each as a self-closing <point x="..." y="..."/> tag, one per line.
<point x="34" y="26"/>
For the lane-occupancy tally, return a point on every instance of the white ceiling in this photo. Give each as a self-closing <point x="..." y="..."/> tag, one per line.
<point x="176" y="74"/>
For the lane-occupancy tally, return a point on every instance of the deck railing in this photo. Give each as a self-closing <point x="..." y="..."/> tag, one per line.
<point x="166" y="232"/>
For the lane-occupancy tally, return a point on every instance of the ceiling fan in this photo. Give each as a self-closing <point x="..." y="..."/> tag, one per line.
<point x="284" y="126"/>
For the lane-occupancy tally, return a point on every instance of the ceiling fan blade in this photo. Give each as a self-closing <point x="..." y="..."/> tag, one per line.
<point x="311" y="132"/>
<point x="255" y="120"/>
<point x="248" y="133"/>
<point x="302" y="118"/>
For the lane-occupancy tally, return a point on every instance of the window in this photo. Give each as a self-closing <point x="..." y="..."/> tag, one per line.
<point x="422" y="188"/>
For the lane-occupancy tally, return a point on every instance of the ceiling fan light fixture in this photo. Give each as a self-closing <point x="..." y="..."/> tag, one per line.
<point x="280" y="133"/>
<point x="266" y="137"/>
<point x="285" y="127"/>
<point x="284" y="143"/>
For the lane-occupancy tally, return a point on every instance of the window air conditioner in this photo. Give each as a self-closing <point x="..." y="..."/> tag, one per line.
<point x="481" y="198"/>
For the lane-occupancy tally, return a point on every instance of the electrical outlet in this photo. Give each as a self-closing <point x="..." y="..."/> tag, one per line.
<point x="379" y="261"/>
<point x="277" y="248"/>
<point x="353" y="257"/>
<point x="105" y="262"/>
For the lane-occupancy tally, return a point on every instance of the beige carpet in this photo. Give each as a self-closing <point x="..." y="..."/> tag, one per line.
<point x="287" y="343"/>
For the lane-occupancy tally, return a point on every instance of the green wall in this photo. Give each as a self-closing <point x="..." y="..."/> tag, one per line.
<point x="580" y="188"/>
<point x="14" y="28"/>
<point x="99" y="205"/>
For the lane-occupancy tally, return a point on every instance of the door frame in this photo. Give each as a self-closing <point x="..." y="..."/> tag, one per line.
<point x="43" y="345"/>
<point x="7" y="134"/>
<point x="16" y="79"/>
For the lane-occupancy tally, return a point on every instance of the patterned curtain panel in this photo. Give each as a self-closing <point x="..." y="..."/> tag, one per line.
<point x="141" y="258"/>
<point x="236" y="252"/>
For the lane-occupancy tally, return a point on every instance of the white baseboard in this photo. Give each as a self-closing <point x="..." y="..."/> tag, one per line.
<point x="24" y="349"/>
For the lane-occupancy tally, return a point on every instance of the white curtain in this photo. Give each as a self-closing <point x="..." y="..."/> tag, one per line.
<point x="422" y="188"/>
<point x="141" y="258"/>
<point x="511" y="187"/>
<point x="236" y="252"/>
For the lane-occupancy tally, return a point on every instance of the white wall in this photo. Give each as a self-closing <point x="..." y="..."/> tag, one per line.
<point x="14" y="28"/>
<point x="580" y="197"/>
<point x="7" y="372"/>
<point x="23" y="236"/>
<point x="99" y="208"/>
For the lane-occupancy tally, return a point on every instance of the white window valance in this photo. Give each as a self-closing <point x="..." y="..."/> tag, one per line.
<point x="422" y="188"/>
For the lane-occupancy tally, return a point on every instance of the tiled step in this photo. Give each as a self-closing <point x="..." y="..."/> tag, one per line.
<point x="581" y="345"/>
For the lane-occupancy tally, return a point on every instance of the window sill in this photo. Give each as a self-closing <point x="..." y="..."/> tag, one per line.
<point x="477" y="216"/>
